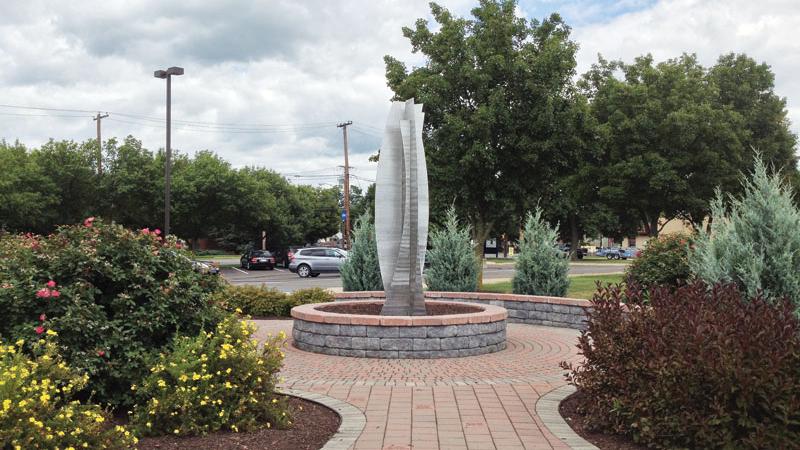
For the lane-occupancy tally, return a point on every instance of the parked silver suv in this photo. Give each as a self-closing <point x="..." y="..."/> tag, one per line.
<point x="310" y="262"/>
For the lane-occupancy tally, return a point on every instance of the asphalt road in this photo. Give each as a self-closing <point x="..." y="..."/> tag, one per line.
<point x="284" y="280"/>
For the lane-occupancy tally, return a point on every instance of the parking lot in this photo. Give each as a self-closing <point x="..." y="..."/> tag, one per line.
<point x="286" y="281"/>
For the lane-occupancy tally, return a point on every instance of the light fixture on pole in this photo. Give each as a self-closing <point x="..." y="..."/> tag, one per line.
<point x="167" y="74"/>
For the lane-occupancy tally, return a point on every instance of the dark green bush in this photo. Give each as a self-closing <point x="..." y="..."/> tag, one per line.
<point x="115" y="297"/>
<point x="311" y="295"/>
<point x="218" y="380"/>
<point x="665" y="261"/>
<point x="257" y="301"/>
<point x="697" y="367"/>
<point x="262" y="301"/>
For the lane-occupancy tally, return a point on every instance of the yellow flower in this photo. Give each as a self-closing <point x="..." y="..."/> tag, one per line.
<point x="6" y="404"/>
<point x="51" y="333"/>
<point x="183" y="378"/>
<point x="238" y="310"/>
<point x="99" y="419"/>
<point x="195" y="376"/>
<point x="148" y="424"/>
<point x="161" y="383"/>
<point x="44" y="398"/>
<point x="228" y="385"/>
<point x="176" y="431"/>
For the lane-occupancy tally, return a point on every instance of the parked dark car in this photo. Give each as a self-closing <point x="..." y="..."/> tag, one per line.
<point x="258" y="259"/>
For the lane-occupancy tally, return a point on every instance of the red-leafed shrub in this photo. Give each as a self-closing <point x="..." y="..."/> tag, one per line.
<point x="697" y="367"/>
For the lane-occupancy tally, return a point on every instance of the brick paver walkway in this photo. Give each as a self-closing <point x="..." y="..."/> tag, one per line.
<point x="477" y="402"/>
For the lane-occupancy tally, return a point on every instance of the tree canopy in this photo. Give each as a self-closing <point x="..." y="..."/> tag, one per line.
<point x="58" y="183"/>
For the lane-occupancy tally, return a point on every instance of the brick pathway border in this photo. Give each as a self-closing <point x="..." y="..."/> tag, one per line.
<point x="547" y="410"/>
<point x="353" y="420"/>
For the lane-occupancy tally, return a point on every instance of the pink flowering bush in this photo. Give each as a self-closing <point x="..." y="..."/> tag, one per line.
<point x="115" y="296"/>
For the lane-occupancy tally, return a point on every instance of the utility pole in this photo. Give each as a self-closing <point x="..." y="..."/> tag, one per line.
<point x="346" y="233"/>
<point x="97" y="119"/>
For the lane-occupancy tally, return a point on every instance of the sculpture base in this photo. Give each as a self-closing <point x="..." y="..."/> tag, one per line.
<point x="354" y="328"/>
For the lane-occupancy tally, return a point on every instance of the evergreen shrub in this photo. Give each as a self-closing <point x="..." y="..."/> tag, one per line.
<point x="452" y="263"/>
<point x="754" y="240"/>
<point x="540" y="270"/>
<point x="361" y="271"/>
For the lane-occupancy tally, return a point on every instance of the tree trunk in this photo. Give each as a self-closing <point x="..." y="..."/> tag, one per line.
<point x="480" y="231"/>
<point x="575" y="239"/>
<point x="652" y="222"/>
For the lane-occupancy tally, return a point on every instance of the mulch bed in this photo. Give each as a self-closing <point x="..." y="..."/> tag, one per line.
<point x="374" y="309"/>
<point x="569" y="411"/>
<point x="312" y="427"/>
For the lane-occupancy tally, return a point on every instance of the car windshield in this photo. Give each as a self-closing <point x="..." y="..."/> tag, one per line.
<point x="261" y="253"/>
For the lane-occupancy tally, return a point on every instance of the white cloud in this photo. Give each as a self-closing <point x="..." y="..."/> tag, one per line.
<point x="286" y="62"/>
<point x="766" y="30"/>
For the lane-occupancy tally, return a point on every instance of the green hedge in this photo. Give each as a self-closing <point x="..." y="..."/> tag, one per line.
<point x="262" y="301"/>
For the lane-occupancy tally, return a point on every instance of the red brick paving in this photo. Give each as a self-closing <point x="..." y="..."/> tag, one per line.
<point x="477" y="402"/>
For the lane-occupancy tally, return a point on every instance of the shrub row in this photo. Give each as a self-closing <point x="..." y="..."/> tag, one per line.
<point x="697" y="367"/>
<point x="261" y="301"/>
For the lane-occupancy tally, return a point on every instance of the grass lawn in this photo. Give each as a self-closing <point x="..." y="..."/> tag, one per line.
<point x="579" y="286"/>
<point x="600" y="260"/>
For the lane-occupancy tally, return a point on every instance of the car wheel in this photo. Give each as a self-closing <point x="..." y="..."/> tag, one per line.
<point x="303" y="270"/>
<point x="314" y="275"/>
<point x="609" y="256"/>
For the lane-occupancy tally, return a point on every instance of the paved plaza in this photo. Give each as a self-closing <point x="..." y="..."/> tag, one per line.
<point x="478" y="402"/>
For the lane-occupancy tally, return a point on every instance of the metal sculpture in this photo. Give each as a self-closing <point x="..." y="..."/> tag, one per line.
<point x="401" y="210"/>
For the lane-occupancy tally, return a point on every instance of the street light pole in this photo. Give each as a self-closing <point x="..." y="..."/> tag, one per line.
<point x="167" y="74"/>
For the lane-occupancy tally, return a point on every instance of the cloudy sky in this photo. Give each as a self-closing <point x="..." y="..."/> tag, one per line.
<point x="267" y="81"/>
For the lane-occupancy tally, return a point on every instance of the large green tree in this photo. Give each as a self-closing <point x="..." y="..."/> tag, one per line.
<point x="493" y="88"/>
<point x="27" y="194"/>
<point x="675" y="131"/>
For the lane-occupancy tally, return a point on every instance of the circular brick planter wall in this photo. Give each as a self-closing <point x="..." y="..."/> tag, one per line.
<point x="373" y="336"/>
<point x="559" y="312"/>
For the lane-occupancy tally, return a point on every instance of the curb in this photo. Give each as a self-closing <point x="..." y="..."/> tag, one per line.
<point x="547" y="410"/>
<point x="353" y="420"/>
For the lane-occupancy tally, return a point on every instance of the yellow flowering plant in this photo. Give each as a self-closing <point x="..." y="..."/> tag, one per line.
<point x="217" y="380"/>
<point x="37" y="406"/>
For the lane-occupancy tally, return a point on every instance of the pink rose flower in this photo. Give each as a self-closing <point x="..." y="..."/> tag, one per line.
<point x="51" y="284"/>
<point x="88" y="222"/>
<point x="145" y="230"/>
<point x="156" y="231"/>
<point x="55" y="294"/>
<point x="39" y="329"/>
<point x="42" y="317"/>
<point x="101" y="353"/>
<point x="43" y="293"/>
